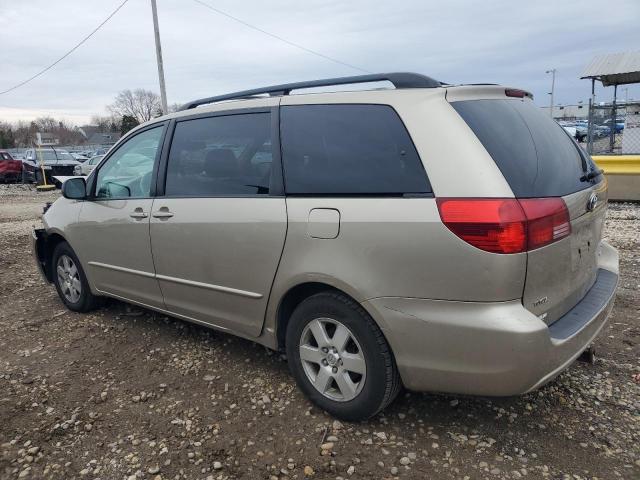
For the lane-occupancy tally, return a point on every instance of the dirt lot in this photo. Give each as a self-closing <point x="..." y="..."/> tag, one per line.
<point x="124" y="394"/>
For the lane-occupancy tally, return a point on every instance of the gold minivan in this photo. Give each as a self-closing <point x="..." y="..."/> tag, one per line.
<point x="437" y="237"/>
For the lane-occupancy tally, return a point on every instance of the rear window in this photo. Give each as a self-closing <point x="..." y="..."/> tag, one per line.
<point x="535" y="155"/>
<point x="349" y="150"/>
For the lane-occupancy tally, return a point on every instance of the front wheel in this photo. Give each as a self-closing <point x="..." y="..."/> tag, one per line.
<point x="70" y="280"/>
<point x="340" y="358"/>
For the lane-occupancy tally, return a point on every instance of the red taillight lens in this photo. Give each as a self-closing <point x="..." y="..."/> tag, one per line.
<point x="547" y="219"/>
<point x="506" y="225"/>
<point x="492" y="224"/>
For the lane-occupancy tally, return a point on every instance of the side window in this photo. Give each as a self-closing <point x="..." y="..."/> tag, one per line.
<point x="347" y="150"/>
<point x="220" y="156"/>
<point x="127" y="173"/>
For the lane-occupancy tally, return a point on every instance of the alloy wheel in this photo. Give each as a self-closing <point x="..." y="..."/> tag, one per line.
<point x="332" y="359"/>
<point x="69" y="278"/>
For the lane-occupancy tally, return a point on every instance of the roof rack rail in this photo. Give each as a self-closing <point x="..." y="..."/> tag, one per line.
<point x="398" y="79"/>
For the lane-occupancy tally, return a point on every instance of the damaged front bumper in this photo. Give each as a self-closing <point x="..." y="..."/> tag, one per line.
<point x="39" y="249"/>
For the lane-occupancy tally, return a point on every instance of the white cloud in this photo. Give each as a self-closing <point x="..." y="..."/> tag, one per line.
<point x="508" y="42"/>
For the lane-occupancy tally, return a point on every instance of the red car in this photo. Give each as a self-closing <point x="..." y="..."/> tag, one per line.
<point x="10" y="169"/>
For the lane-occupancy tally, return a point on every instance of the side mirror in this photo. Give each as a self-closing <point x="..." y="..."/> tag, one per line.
<point x="74" y="189"/>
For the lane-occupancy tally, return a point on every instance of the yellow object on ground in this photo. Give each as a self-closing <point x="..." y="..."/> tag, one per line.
<point x="45" y="187"/>
<point x="623" y="175"/>
<point x="619" y="164"/>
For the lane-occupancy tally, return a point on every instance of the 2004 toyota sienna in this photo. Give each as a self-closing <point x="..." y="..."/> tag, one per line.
<point x="445" y="238"/>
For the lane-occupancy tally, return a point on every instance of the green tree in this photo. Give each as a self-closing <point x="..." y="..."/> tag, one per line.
<point x="7" y="138"/>
<point x="128" y="122"/>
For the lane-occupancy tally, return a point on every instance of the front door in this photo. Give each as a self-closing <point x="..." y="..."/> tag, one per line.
<point x="218" y="232"/>
<point x="112" y="234"/>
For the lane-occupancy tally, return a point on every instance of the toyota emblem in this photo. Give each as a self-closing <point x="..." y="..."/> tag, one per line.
<point x="593" y="201"/>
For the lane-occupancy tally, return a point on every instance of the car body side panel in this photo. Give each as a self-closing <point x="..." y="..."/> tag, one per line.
<point x="392" y="247"/>
<point x="216" y="258"/>
<point x="115" y="249"/>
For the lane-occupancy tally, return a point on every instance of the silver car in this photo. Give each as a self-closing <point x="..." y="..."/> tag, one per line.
<point x="436" y="237"/>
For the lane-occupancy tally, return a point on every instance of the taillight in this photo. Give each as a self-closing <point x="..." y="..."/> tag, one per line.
<point x="547" y="219"/>
<point x="506" y="225"/>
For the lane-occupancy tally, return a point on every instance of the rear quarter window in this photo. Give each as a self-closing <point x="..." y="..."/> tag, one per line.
<point x="349" y="150"/>
<point x="535" y="155"/>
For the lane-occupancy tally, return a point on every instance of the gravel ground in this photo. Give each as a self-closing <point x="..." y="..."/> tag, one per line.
<point x="128" y="394"/>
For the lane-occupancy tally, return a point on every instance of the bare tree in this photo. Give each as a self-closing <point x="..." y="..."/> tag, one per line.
<point x="106" y="123"/>
<point x="173" y="107"/>
<point x="141" y="104"/>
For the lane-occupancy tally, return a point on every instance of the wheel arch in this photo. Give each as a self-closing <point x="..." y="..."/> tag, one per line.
<point x="296" y="295"/>
<point x="46" y="243"/>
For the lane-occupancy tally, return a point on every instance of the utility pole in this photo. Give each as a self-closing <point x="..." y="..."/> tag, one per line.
<point x="156" y="31"/>
<point x="553" y="86"/>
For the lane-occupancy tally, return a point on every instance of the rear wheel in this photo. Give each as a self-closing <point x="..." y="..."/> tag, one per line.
<point x="339" y="357"/>
<point x="70" y="280"/>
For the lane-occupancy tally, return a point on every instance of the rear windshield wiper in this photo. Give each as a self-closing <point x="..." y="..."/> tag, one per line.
<point x="591" y="175"/>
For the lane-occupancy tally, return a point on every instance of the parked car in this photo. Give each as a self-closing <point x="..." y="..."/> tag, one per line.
<point x="79" y="157"/>
<point x="601" y="131"/>
<point x="99" y="151"/>
<point x="579" y="133"/>
<point x="87" y="167"/>
<point x="55" y="162"/>
<point x="619" y="124"/>
<point x="444" y="238"/>
<point x="10" y="168"/>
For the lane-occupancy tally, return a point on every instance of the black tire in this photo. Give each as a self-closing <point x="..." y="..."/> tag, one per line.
<point x="382" y="381"/>
<point x="86" y="300"/>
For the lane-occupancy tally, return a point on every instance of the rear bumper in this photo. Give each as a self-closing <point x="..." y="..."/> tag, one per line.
<point x="495" y="349"/>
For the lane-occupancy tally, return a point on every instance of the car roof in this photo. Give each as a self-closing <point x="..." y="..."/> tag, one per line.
<point x="404" y="83"/>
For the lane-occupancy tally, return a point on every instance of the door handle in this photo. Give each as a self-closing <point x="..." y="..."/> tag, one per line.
<point x="162" y="213"/>
<point x="138" y="214"/>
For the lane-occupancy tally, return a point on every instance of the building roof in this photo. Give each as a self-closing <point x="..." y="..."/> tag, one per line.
<point x="614" y="68"/>
<point x="104" y="138"/>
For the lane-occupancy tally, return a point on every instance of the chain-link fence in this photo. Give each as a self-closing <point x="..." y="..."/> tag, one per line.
<point x="614" y="129"/>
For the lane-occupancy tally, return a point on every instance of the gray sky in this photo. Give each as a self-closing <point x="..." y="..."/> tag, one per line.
<point x="463" y="41"/>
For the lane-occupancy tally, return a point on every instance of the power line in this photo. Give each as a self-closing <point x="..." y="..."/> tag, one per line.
<point x="277" y="37"/>
<point x="66" y="54"/>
